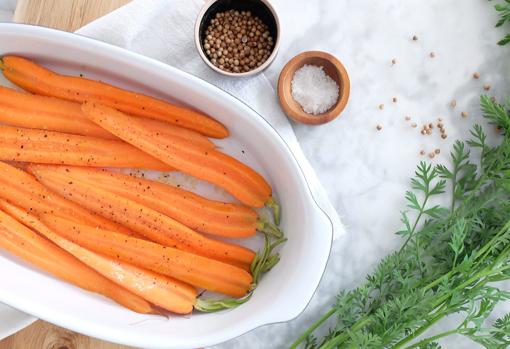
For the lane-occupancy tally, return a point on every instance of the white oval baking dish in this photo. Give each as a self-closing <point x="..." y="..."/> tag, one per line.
<point x="283" y="293"/>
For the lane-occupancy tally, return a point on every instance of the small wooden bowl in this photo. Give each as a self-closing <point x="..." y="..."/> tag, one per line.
<point x="332" y="67"/>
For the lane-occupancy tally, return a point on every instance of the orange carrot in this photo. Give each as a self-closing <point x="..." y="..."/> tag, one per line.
<point x="210" y="165"/>
<point x="46" y="113"/>
<point x="163" y="291"/>
<point x="39" y="146"/>
<point x="190" y="268"/>
<point x="139" y="218"/>
<point x="36" y="79"/>
<point x="192" y="210"/>
<point x="23" y="190"/>
<point x="30" y="247"/>
<point x="53" y="114"/>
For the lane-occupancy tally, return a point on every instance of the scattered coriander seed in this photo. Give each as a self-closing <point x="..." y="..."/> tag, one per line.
<point x="440" y="119"/>
<point x="413" y="125"/>
<point x="393" y="61"/>
<point x="432" y="55"/>
<point x="381" y="106"/>
<point x="476" y="75"/>
<point x="431" y="155"/>
<point x="464" y="114"/>
<point x="486" y="87"/>
<point x="429" y="131"/>
<point x="394" y="99"/>
<point x="437" y="151"/>
<point x="415" y="38"/>
<point x="422" y="152"/>
<point x="423" y="132"/>
<point x="440" y="125"/>
<point x="237" y="41"/>
<point x="431" y="125"/>
<point x="444" y="135"/>
<point x="407" y="118"/>
<point x="453" y="103"/>
<point x="443" y="130"/>
<point x="379" y="127"/>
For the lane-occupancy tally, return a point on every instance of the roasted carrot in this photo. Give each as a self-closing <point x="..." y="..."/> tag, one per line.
<point x="210" y="165"/>
<point x="163" y="291"/>
<point x="22" y="242"/>
<point x="139" y="218"/>
<point x="54" y="114"/>
<point x="190" y="268"/>
<point x="190" y="209"/>
<point x="37" y="79"/>
<point x="23" y="190"/>
<point x="46" y="113"/>
<point x="39" y="146"/>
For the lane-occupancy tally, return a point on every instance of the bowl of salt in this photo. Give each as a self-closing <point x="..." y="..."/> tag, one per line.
<point x="313" y="88"/>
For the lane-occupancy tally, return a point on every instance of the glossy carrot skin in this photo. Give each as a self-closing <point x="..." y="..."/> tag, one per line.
<point x="24" y="191"/>
<point x="196" y="212"/>
<point x="139" y="218"/>
<point x="163" y="291"/>
<point x="48" y="147"/>
<point x="37" y="79"/>
<point x="46" y="113"/>
<point x="210" y="165"/>
<point x="190" y="268"/>
<point x="24" y="243"/>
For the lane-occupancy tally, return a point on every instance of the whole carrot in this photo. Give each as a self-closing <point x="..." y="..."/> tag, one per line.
<point x="37" y="79"/>
<point x="210" y="165"/>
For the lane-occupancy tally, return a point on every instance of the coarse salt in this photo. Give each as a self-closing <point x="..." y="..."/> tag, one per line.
<point x="313" y="89"/>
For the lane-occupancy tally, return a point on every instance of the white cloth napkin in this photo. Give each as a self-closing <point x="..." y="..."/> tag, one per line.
<point x="164" y="30"/>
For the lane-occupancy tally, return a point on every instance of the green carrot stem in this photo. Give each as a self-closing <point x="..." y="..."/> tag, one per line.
<point x="312" y="328"/>
<point x="266" y="227"/>
<point x="275" y="207"/>
<point x="214" y="305"/>
<point x="421" y="343"/>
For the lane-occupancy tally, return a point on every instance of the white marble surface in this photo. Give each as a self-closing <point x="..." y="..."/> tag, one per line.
<point x="364" y="171"/>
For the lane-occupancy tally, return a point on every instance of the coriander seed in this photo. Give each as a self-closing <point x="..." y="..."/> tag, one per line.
<point x="243" y="41"/>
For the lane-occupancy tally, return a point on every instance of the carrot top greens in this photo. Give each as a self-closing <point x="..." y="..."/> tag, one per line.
<point x="453" y="257"/>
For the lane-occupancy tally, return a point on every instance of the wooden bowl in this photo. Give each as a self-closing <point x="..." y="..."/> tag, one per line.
<point x="332" y="67"/>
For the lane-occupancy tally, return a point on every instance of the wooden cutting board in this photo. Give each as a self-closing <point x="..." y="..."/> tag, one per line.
<point x="66" y="15"/>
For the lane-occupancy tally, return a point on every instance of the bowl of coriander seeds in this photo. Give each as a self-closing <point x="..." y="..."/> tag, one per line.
<point x="237" y="38"/>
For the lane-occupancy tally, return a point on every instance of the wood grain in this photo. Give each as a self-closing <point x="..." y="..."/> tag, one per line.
<point x="67" y="15"/>
<point x="42" y="335"/>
